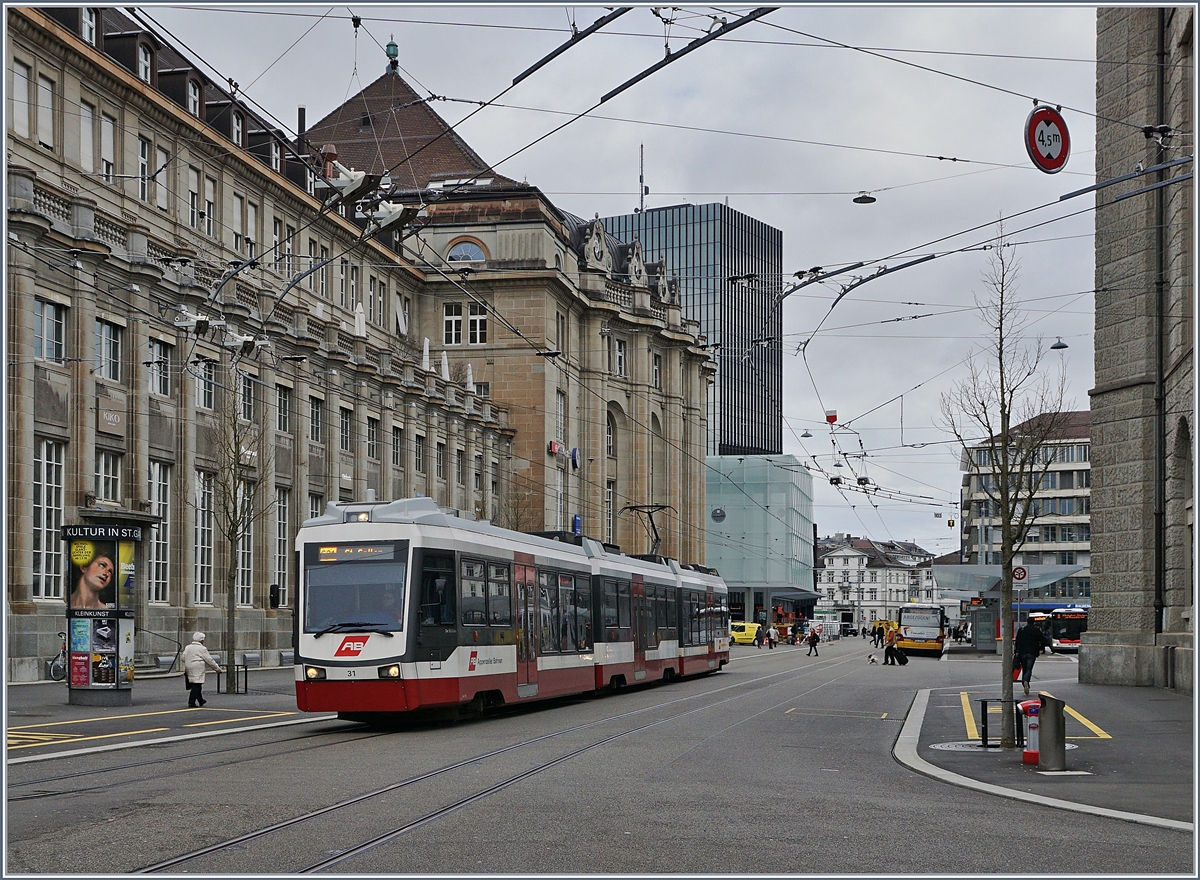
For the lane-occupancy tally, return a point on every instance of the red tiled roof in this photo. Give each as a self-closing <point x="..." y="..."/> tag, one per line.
<point x="399" y="124"/>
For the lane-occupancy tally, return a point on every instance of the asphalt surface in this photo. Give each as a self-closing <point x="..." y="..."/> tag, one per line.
<point x="1133" y="747"/>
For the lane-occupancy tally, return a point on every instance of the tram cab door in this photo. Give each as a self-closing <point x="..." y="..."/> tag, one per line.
<point x="640" y="633"/>
<point x="437" y="635"/>
<point x="527" y="630"/>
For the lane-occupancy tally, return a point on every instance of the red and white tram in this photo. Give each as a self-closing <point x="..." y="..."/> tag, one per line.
<point x="402" y="607"/>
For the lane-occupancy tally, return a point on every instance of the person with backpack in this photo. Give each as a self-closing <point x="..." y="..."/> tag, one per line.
<point x="814" y="639"/>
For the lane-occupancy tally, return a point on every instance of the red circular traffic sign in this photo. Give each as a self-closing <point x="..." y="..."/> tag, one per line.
<point x="1019" y="573"/>
<point x="1047" y="140"/>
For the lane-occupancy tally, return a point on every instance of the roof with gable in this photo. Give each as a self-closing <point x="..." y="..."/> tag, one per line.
<point x="378" y="129"/>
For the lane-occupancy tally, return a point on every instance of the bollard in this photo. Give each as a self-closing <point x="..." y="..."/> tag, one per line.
<point x="1030" y="709"/>
<point x="1053" y="754"/>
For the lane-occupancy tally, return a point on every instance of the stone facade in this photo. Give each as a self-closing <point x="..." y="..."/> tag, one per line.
<point x="103" y="253"/>
<point x="1141" y="624"/>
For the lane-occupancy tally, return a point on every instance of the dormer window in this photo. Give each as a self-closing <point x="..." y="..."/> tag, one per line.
<point x="237" y="129"/>
<point x="275" y="155"/>
<point x="87" y="27"/>
<point x="193" y="98"/>
<point x="143" y="62"/>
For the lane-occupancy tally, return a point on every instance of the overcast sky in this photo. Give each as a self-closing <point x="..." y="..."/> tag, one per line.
<point x="789" y="126"/>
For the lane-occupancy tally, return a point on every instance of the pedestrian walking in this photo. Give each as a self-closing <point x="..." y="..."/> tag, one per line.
<point x="758" y="637"/>
<point x="889" y="647"/>
<point x="1028" y="645"/>
<point x="864" y="631"/>
<point x="772" y="637"/>
<point x="877" y="635"/>
<point x="814" y="639"/>
<point x="196" y="661"/>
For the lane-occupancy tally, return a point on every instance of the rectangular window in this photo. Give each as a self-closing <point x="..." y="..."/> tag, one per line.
<point x="283" y="500"/>
<point x="419" y="454"/>
<point x="610" y="491"/>
<point x="210" y="206"/>
<point x="87" y="135"/>
<point x="656" y="368"/>
<point x="312" y="263"/>
<point x="162" y="177"/>
<point x="381" y="305"/>
<point x="47" y="519"/>
<point x="560" y="332"/>
<point x="323" y="274"/>
<point x="316" y="420"/>
<point x="237" y="227"/>
<point x="452" y="324"/>
<point x="397" y="446"/>
<point x="108" y="350"/>
<point x="245" y="543"/>
<point x="478" y="473"/>
<point x="87" y="28"/>
<point x="483" y="389"/>
<point x="143" y="169"/>
<point x="193" y="97"/>
<point x="372" y="437"/>
<point x="144" y="62"/>
<point x="560" y="416"/>
<point x="460" y="467"/>
<point x="276" y="242"/>
<point x="245" y="401"/>
<point x="343" y="271"/>
<point x="49" y="331"/>
<point x="372" y="284"/>
<point x="275" y="156"/>
<point x="353" y="286"/>
<point x="237" y="129"/>
<point x="251" y="229"/>
<point x="22" y="78"/>
<point x="346" y="429"/>
<point x="205" y="384"/>
<point x="159" y="493"/>
<point x="477" y="324"/>
<point x="441" y="461"/>
<point x="45" y="112"/>
<point x="193" y="198"/>
<point x="108" y="147"/>
<point x="160" y="368"/>
<point x="620" y="357"/>
<point x="108" y="476"/>
<point x="289" y="258"/>
<point x="316" y="505"/>
<point x="283" y="409"/>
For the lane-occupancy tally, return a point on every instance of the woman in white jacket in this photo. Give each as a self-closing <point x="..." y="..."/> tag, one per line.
<point x="196" y="661"/>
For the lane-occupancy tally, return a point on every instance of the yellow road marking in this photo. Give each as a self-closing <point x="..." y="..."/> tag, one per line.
<point x="100" y="736"/>
<point x="837" y="713"/>
<point x="972" y="730"/>
<point x="1100" y="734"/>
<point x="884" y="715"/>
<point x="234" y="720"/>
<point x="107" y="718"/>
<point x="789" y="711"/>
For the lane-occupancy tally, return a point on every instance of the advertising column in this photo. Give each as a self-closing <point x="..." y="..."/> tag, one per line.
<point x="100" y="613"/>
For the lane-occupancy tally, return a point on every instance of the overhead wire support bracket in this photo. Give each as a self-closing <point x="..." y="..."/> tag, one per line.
<point x="575" y="38"/>
<point x="695" y="44"/>
<point x="1182" y="160"/>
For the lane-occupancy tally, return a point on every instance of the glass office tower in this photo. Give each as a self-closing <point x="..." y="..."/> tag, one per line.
<point x="730" y="271"/>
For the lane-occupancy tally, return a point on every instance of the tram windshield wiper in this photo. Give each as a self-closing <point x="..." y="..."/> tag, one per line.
<point x="354" y="626"/>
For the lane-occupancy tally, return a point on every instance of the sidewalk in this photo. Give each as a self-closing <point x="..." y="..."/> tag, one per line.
<point x="1133" y="746"/>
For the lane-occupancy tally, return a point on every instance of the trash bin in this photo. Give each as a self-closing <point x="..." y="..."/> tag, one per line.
<point x="1053" y="753"/>
<point x="1030" y="714"/>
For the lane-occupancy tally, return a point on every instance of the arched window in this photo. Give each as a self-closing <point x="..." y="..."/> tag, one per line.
<point x="466" y="252"/>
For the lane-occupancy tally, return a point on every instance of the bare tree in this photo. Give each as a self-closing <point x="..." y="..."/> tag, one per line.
<point x="520" y="509"/>
<point x="242" y="453"/>
<point x="1003" y="414"/>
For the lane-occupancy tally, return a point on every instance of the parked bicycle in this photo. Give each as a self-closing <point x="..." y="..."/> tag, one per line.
<point x="58" y="666"/>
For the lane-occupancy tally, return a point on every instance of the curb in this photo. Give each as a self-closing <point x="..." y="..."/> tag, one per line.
<point x="905" y="752"/>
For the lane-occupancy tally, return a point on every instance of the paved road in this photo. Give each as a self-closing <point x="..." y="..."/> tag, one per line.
<point x="782" y="755"/>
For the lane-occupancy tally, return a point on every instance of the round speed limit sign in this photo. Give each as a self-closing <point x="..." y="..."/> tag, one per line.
<point x="1047" y="140"/>
<point x="1019" y="574"/>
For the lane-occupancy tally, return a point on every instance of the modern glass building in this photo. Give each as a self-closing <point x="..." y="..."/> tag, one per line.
<point x="730" y="269"/>
<point x="759" y="533"/>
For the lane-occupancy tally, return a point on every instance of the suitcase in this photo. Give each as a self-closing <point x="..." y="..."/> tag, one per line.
<point x="901" y="657"/>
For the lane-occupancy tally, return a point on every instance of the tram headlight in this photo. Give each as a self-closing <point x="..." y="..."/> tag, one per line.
<point x="392" y="671"/>
<point x="314" y="673"/>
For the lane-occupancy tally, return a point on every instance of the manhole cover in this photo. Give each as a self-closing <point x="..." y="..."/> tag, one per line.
<point x="974" y="746"/>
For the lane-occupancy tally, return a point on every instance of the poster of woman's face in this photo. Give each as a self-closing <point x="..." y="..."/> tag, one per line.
<point x="94" y="573"/>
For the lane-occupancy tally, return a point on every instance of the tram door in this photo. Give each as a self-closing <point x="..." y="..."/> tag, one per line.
<point x="527" y="629"/>
<point x="640" y="634"/>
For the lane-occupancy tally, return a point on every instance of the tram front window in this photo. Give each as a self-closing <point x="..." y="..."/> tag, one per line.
<point x="355" y="596"/>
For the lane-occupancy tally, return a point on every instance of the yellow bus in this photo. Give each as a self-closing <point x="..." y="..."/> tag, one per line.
<point x="922" y="628"/>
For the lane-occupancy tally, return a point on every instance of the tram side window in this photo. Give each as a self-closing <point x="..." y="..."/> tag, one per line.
<point x="499" y="595"/>
<point x="609" y="610"/>
<point x="624" y="594"/>
<point x="473" y="593"/>
<point x="694" y="623"/>
<point x="437" y="591"/>
<point x="671" y="617"/>
<point x="653" y="600"/>
<point x="583" y="613"/>
<point x="566" y="607"/>
<point x="548" y="619"/>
